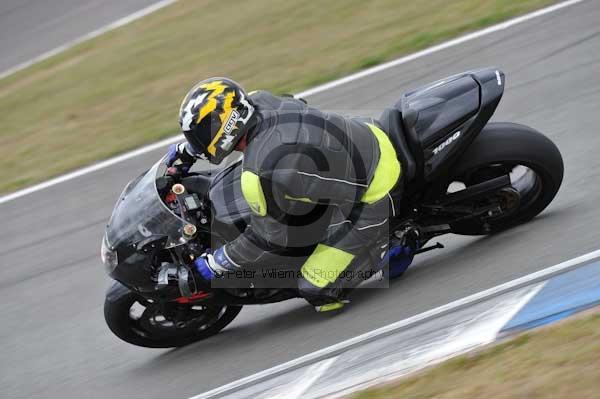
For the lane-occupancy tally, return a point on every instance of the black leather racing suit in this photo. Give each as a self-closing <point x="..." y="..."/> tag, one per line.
<point x="320" y="181"/>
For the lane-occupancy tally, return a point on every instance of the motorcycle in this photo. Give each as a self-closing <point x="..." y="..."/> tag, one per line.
<point x="462" y="174"/>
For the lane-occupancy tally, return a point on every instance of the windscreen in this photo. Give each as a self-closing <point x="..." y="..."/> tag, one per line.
<point x="140" y="213"/>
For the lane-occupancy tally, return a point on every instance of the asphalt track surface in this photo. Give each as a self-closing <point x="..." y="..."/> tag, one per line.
<point x="55" y="343"/>
<point x="29" y="28"/>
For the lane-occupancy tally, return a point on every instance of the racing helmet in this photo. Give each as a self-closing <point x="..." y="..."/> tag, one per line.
<point x="214" y="116"/>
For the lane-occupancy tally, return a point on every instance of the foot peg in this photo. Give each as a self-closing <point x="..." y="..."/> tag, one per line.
<point x="429" y="248"/>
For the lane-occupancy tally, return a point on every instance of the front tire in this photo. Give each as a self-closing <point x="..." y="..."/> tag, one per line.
<point x="502" y="147"/>
<point x="151" y="329"/>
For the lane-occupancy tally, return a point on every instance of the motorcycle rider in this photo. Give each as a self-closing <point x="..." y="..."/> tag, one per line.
<point x="298" y="162"/>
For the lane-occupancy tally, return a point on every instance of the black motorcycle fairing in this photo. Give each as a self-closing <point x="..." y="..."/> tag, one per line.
<point x="434" y="111"/>
<point x="136" y="263"/>
<point x="140" y="228"/>
<point x="442" y="119"/>
<point x="141" y="213"/>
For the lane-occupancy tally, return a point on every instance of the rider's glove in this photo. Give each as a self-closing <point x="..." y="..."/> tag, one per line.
<point x="214" y="265"/>
<point x="179" y="157"/>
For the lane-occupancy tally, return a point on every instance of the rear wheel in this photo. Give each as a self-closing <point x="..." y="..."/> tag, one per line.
<point x="529" y="158"/>
<point x="139" y="322"/>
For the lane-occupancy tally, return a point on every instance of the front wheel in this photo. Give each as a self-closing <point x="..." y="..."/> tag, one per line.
<point x="149" y="324"/>
<point x="532" y="162"/>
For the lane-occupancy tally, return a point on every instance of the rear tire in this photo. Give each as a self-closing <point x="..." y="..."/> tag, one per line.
<point x="511" y="144"/>
<point x="117" y="313"/>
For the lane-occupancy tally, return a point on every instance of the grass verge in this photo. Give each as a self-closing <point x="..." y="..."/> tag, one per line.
<point x="560" y="361"/>
<point x="123" y="89"/>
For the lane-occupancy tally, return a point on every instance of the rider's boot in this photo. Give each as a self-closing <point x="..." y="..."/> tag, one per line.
<point x="331" y="306"/>
<point x="323" y="300"/>
<point x="401" y="253"/>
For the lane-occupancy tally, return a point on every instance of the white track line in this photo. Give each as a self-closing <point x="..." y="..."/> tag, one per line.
<point x="90" y="169"/>
<point x="297" y="389"/>
<point x="319" y="89"/>
<point x="469" y="335"/>
<point x="106" y="28"/>
<point x="442" y="46"/>
<point x="383" y="331"/>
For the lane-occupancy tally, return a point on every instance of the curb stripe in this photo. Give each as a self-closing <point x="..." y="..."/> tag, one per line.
<point x="561" y="296"/>
<point x="401" y="325"/>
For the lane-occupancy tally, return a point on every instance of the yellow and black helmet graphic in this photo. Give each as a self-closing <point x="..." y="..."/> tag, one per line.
<point x="214" y="116"/>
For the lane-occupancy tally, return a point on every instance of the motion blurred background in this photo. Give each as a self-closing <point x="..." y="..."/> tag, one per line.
<point x="122" y="89"/>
